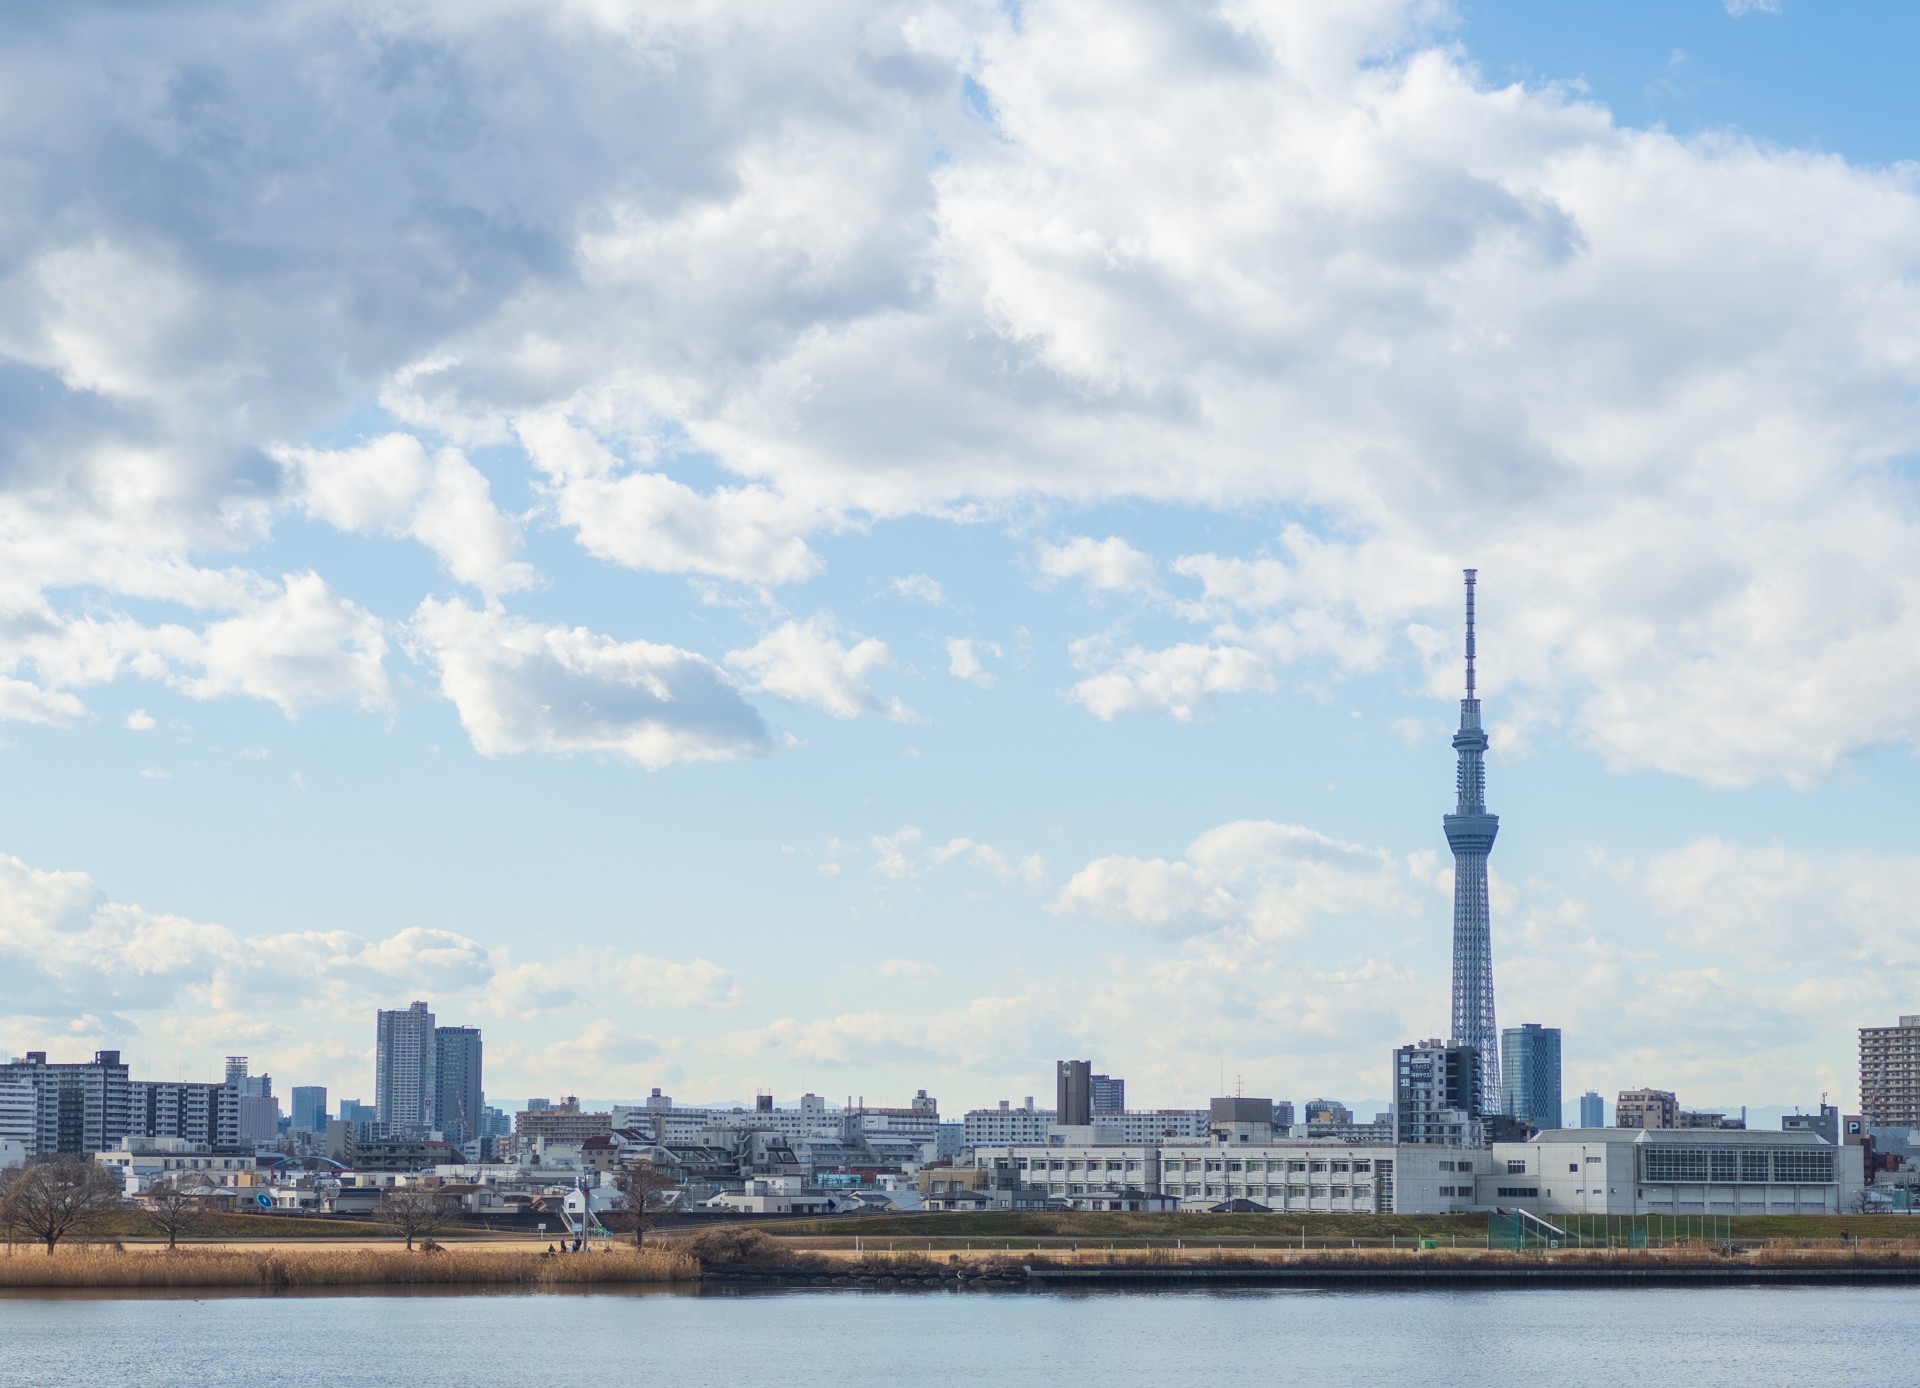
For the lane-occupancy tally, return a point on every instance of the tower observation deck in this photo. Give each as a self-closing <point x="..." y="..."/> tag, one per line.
<point x="1470" y="833"/>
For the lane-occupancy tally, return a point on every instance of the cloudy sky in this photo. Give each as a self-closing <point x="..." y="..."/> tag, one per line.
<point x="869" y="546"/>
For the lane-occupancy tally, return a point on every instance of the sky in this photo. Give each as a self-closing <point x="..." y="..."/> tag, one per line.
<point x="860" y="548"/>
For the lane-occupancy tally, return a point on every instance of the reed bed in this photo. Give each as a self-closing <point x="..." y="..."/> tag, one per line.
<point x="100" y="1266"/>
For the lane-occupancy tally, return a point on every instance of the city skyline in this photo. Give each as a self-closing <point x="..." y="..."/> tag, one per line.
<point x="937" y="567"/>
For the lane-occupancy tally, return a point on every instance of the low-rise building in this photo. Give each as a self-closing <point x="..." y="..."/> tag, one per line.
<point x="1680" y="1172"/>
<point x="564" y="1122"/>
<point x="1646" y="1108"/>
<point x="140" y="1161"/>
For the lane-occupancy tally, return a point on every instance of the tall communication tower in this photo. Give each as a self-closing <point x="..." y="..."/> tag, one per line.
<point x="1470" y="832"/>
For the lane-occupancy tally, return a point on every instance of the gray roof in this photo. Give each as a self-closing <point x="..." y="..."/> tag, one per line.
<point x="1710" y="1137"/>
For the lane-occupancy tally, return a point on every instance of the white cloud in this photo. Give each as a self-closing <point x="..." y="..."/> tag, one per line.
<point x="1737" y="8"/>
<point x="1270" y="880"/>
<point x="70" y="950"/>
<point x="1104" y="566"/>
<point x="304" y="646"/>
<point x="963" y="659"/>
<point x="646" y="520"/>
<point x="1291" y="254"/>
<point x="1031" y="870"/>
<point x="140" y="721"/>
<point x="920" y="587"/>
<point x="891" y="852"/>
<point x="390" y="486"/>
<point x="1177" y="680"/>
<point x="521" y="687"/>
<point x="804" y="662"/>
<point x="664" y="983"/>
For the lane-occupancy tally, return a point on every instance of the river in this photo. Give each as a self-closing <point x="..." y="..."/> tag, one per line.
<point x="1750" y="1337"/>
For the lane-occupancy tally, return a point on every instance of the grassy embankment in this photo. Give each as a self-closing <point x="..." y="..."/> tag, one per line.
<point x="945" y="1232"/>
<point x="107" y="1266"/>
<point x="751" y="1254"/>
<point x="132" y="1224"/>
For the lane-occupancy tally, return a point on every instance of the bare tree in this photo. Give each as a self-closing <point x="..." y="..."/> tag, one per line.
<point x="61" y="1197"/>
<point x="412" y="1211"/>
<point x="643" y="1197"/>
<point x="175" y="1206"/>
<point x="9" y="1216"/>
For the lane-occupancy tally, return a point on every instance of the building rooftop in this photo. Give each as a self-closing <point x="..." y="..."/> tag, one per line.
<point x="1693" y="1137"/>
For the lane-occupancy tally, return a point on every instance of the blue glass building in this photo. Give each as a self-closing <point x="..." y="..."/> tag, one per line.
<point x="1530" y="1074"/>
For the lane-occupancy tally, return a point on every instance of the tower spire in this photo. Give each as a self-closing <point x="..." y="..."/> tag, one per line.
<point x="1470" y="833"/>
<point x="1472" y="575"/>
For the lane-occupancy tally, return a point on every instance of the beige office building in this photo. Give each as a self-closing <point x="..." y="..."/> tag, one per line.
<point x="1890" y="1075"/>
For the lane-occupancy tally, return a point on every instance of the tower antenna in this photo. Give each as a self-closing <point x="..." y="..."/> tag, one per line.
<point x="1472" y="575"/>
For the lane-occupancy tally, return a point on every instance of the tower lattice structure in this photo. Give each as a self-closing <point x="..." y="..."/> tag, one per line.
<point x="1470" y="833"/>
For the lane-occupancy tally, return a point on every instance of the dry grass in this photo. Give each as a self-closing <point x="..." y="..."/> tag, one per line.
<point x="103" y="1266"/>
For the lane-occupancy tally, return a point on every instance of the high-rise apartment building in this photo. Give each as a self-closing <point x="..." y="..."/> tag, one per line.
<point x="1890" y="1075"/>
<point x="1073" y="1089"/>
<point x="20" y="1109"/>
<point x="1470" y="833"/>
<point x="1530" y="1074"/>
<point x="1646" y="1108"/>
<point x="1437" y="1094"/>
<point x="310" y="1108"/>
<point x="78" y="1108"/>
<point x="1106" y="1094"/>
<point x="458" y="1101"/>
<point x="204" y="1114"/>
<point x="405" y="1071"/>
<point x="1593" y="1110"/>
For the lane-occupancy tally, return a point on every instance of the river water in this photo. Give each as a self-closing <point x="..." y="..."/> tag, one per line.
<point x="1750" y="1337"/>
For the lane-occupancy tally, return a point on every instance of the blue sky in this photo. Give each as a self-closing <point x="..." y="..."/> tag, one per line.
<point x="881" y="547"/>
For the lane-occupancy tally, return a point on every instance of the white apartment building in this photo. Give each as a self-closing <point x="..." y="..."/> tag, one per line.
<point x="684" y="1125"/>
<point x="140" y="1161"/>
<point x="1022" y="1127"/>
<point x="19" y="1108"/>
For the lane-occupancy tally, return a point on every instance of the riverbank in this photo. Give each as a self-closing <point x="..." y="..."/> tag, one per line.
<point x="106" y="1267"/>
<point x="1331" y="1271"/>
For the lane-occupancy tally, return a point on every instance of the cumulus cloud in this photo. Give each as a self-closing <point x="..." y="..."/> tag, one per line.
<point x="1293" y="255"/>
<point x="306" y="645"/>
<point x="1031" y="870"/>
<point x="804" y="662"/>
<point x="1271" y="880"/>
<point x="69" y="950"/>
<point x="920" y="587"/>
<point x="520" y="686"/>
<point x="646" y="520"/>
<point x="1177" y="680"/>
<point x="390" y="486"/>
<point x="140" y="721"/>
<point x="1104" y="566"/>
<point x="963" y="660"/>
<point x="665" y="983"/>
